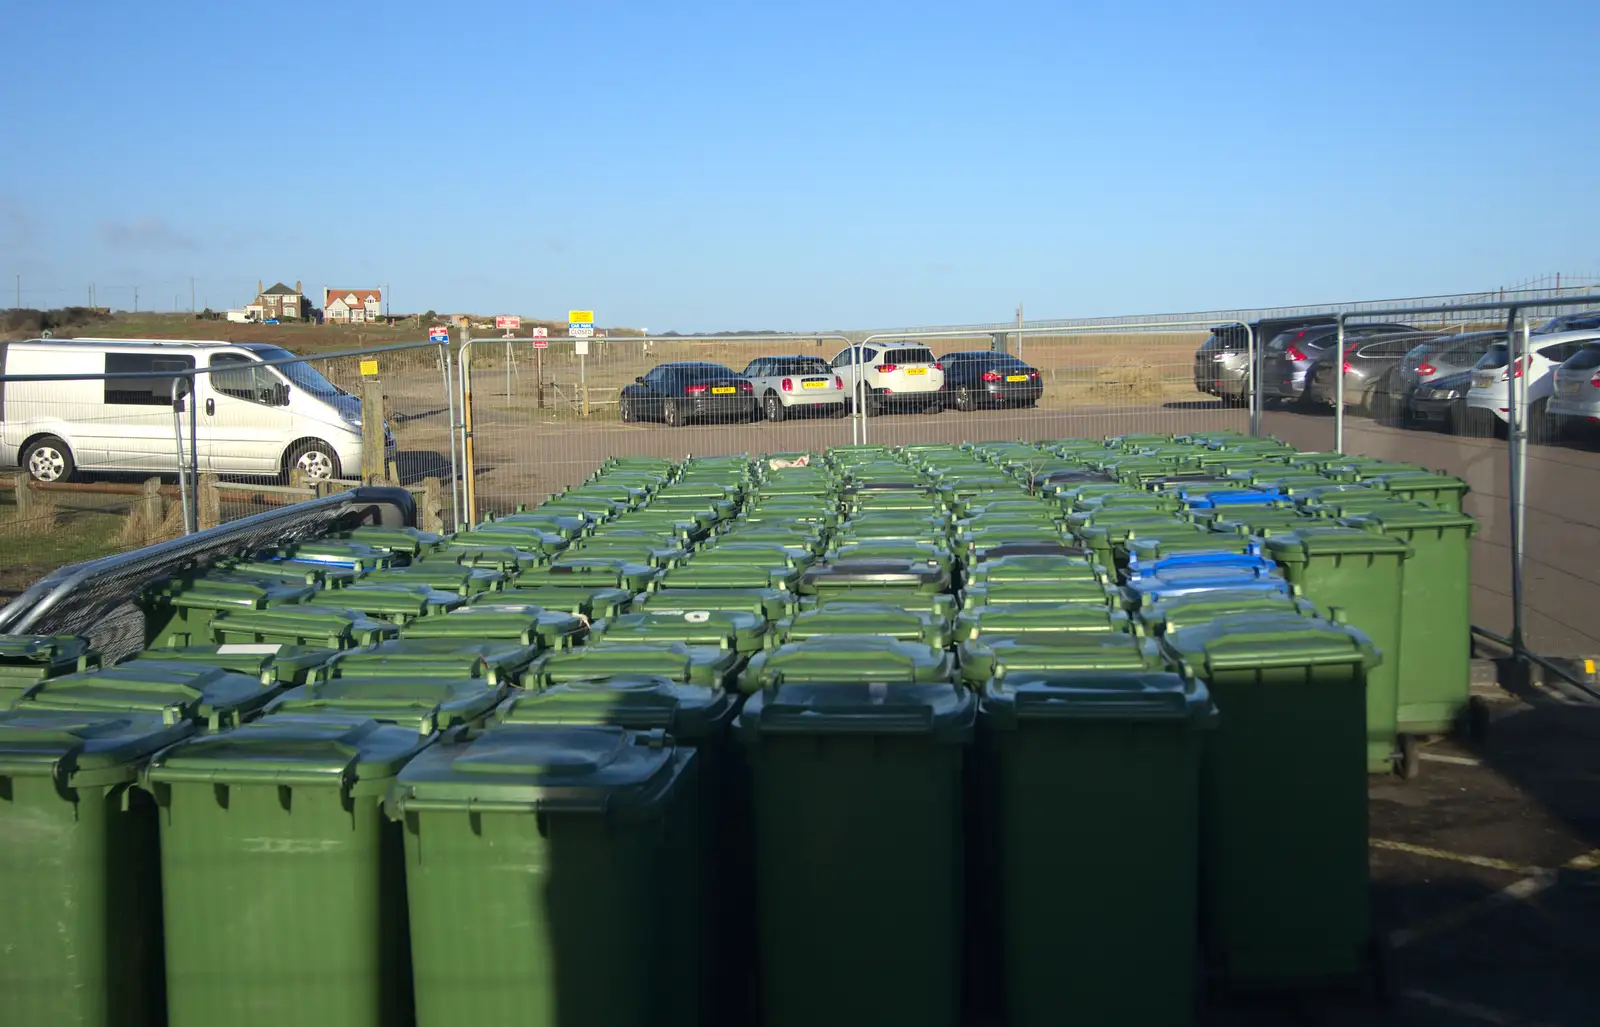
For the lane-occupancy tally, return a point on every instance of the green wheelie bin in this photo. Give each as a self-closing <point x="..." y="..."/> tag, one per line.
<point x="1038" y="622"/>
<point x="80" y="923"/>
<point x="178" y="611"/>
<point x="1361" y="574"/>
<point x="1201" y="607"/>
<point x="398" y="604"/>
<point x="590" y="603"/>
<point x="700" y="717"/>
<point x="1444" y="491"/>
<point x="500" y="660"/>
<point x="525" y="623"/>
<point x="331" y="627"/>
<point x="738" y="630"/>
<point x="587" y="835"/>
<point x="1103" y="934"/>
<point x="858" y="791"/>
<point x="771" y="603"/>
<point x="703" y="665"/>
<point x="285" y="665"/>
<point x="423" y="704"/>
<point x="26" y="660"/>
<point x="987" y="660"/>
<point x="886" y="620"/>
<point x="854" y="658"/>
<point x="1435" y="672"/>
<point x="1284" y="862"/>
<point x="445" y="577"/>
<point x="208" y="696"/>
<point x="283" y="883"/>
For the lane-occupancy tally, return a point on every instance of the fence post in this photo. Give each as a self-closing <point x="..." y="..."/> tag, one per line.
<point x="155" y="509"/>
<point x="372" y="464"/>
<point x="23" y="494"/>
<point x="432" y="505"/>
<point x="209" y="500"/>
<point x="538" y="374"/>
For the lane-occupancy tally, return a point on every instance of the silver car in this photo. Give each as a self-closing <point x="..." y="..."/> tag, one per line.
<point x="1289" y="356"/>
<point x="1445" y="355"/>
<point x="1576" y="400"/>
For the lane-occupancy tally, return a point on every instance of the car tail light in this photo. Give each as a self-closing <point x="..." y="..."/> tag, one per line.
<point x="1595" y="380"/>
<point x="1347" y="367"/>
<point x="1516" y="368"/>
<point x="937" y="366"/>
<point x="886" y="368"/>
<point x="746" y="387"/>
<point x="990" y="376"/>
<point x="694" y="390"/>
<point x="1427" y="368"/>
<point x="838" y="382"/>
<point x="1033" y="374"/>
<point x="1295" y="354"/>
<point x="788" y="385"/>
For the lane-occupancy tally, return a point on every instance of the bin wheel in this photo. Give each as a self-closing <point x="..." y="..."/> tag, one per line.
<point x="1479" y="717"/>
<point x="1410" y="764"/>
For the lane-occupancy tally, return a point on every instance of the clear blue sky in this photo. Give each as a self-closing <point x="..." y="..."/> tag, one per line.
<point x="706" y="166"/>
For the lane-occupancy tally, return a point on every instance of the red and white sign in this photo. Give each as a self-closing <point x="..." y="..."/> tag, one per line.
<point x="504" y="321"/>
<point x="541" y="338"/>
<point x="439" y="334"/>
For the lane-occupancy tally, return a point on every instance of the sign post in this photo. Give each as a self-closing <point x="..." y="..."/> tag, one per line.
<point x="580" y="327"/>
<point x="541" y="342"/>
<point x="508" y="324"/>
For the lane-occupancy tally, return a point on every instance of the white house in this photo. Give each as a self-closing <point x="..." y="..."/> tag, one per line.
<point x="351" y="306"/>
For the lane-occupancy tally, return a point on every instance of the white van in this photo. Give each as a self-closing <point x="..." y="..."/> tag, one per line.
<point x="250" y="419"/>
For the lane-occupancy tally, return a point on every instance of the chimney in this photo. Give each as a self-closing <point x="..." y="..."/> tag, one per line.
<point x="297" y="287"/>
<point x="258" y="288"/>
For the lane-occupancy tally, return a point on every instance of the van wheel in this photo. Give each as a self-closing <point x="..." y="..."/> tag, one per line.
<point x="773" y="406"/>
<point x="316" y="461"/>
<point x="49" y="459"/>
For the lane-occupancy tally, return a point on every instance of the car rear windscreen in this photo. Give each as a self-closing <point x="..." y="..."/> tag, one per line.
<point x="909" y="355"/>
<point x="1498" y="355"/>
<point x="1586" y="359"/>
<point x="816" y="366"/>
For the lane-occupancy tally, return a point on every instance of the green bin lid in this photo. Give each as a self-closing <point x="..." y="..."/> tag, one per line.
<point x="1120" y="697"/>
<point x="737" y="549"/>
<point x="650" y="554"/>
<point x="1304" y="544"/>
<point x="332" y="551"/>
<point x="1010" y="593"/>
<point x="848" y="658"/>
<point x="941" y="712"/>
<point x="1199" y="542"/>
<point x="1199" y="607"/>
<point x="448" y="657"/>
<point x="227" y="593"/>
<point x="578" y="570"/>
<point x="83" y="748"/>
<point x="356" y="754"/>
<point x="395" y="600"/>
<point x="1397" y="481"/>
<point x="1105" y="650"/>
<point x="1261" y="641"/>
<point x="1041" y="619"/>
<point x="694" y="665"/>
<point x="771" y="603"/>
<point x="277" y="570"/>
<point x="910" y="575"/>
<point x="33" y="656"/>
<point x="643" y="702"/>
<point x="268" y="661"/>
<point x="477" y="554"/>
<point x="564" y="526"/>
<point x="526" y="623"/>
<point x="1411" y="519"/>
<point x="739" y="630"/>
<point x="857" y="618"/>
<point x="590" y="603"/>
<point x="711" y="575"/>
<point x="423" y="704"/>
<point x="332" y="626"/>
<point x="445" y="577"/>
<point x="594" y="770"/>
<point x="895" y="550"/>
<point x="177" y="690"/>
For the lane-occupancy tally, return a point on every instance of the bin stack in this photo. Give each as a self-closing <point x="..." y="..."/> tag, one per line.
<point x="636" y="753"/>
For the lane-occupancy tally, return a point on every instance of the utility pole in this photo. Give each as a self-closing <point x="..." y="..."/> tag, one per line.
<point x="1019" y="329"/>
<point x="19" y="291"/>
<point x="135" y="299"/>
<point x="386" y="307"/>
<point x="91" y="294"/>
<point x="191" y="294"/>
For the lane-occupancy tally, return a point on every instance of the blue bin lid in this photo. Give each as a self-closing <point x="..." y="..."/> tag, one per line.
<point x="1230" y="497"/>
<point x="1155" y="589"/>
<point x="1221" y="560"/>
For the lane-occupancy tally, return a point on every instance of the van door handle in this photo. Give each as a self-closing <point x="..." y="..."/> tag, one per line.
<point x="211" y="408"/>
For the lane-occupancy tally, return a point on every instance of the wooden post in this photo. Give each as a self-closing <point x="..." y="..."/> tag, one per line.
<point x="23" y="494"/>
<point x="538" y="375"/>
<point x="155" y="508"/>
<point x="372" y="466"/>
<point x="210" y="501"/>
<point x="432" y="503"/>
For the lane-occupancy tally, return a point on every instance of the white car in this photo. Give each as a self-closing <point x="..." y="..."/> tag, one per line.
<point x="895" y="374"/>
<point x="1491" y="378"/>
<point x="794" y="385"/>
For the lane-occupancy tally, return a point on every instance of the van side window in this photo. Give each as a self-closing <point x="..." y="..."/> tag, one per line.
<point x="153" y="391"/>
<point x="242" y="378"/>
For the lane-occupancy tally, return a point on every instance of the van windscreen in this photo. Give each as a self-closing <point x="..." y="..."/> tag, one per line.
<point x="299" y="372"/>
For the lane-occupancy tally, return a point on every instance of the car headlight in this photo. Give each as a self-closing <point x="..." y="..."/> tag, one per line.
<point x="1444" y="393"/>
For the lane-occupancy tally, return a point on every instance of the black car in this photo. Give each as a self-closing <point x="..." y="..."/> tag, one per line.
<point x="1442" y="401"/>
<point x="989" y="378"/>
<point x="678" y="393"/>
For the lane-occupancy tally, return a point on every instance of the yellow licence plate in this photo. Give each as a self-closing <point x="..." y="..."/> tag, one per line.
<point x="813" y="385"/>
<point x="916" y="370"/>
<point x="723" y="390"/>
<point x="1016" y="377"/>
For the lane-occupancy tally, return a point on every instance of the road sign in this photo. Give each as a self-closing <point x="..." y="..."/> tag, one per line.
<point x="369" y="368"/>
<point x="580" y="346"/>
<point x="580" y="324"/>
<point x="440" y="334"/>
<point x="580" y="317"/>
<point x="508" y="322"/>
<point x="541" y="338"/>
